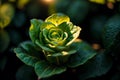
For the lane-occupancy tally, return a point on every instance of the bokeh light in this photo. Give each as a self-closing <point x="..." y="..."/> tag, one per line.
<point x="48" y="1"/>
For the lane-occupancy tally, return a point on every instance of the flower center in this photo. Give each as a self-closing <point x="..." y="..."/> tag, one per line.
<point x="55" y="34"/>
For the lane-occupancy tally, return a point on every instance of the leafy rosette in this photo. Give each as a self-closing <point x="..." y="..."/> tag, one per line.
<point x="54" y="47"/>
<point x="55" y="36"/>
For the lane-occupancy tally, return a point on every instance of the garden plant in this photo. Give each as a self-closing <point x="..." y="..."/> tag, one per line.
<point x="60" y="39"/>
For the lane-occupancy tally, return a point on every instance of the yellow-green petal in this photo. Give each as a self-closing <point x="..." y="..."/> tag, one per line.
<point x="58" y="19"/>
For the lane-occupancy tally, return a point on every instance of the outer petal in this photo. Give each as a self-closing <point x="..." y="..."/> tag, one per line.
<point x="75" y="33"/>
<point x="66" y="27"/>
<point x="43" y="46"/>
<point x="34" y="29"/>
<point x="58" y="19"/>
<point x="46" y="25"/>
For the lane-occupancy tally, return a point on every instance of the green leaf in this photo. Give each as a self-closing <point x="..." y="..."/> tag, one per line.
<point x="83" y="54"/>
<point x="35" y="29"/>
<point x="30" y="48"/>
<point x="25" y="73"/>
<point x="57" y="19"/>
<point x="114" y="49"/>
<point x="97" y="66"/>
<point x="112" y="28"/>
<point x="44" y="69"/>
<point x="4" y="40"/>
<point x="27" y="53"/>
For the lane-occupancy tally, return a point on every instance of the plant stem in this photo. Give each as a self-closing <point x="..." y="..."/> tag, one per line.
<point x="58" y="62"/>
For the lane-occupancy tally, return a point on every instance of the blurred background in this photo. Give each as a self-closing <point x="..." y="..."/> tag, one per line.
<point x="15" y="15"/>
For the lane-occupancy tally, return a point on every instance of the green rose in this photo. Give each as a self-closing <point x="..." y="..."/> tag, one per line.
<point x="54" y="46"/>
<point x="55" y="36"/>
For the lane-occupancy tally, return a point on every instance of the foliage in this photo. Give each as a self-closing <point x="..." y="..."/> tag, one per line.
<point x="58" y="46"/>
<point x="51" y="48"/>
